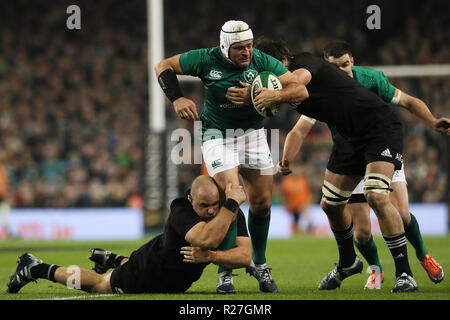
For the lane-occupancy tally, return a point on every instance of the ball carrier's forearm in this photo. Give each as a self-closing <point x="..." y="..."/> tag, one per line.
<point x="166" y="72"/>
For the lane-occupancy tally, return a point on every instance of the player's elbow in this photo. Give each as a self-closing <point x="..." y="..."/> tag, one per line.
<point x="161" y="66"/>
<point x="304" y="94"/>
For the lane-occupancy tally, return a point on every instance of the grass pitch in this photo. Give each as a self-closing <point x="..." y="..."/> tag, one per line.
<point x="298" y="266"/>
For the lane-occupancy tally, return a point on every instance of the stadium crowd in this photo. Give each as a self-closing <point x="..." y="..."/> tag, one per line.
<point x="73" y="117"/>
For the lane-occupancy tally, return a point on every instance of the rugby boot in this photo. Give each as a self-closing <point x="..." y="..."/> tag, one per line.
<point x="433" y="269"/>
<point x="262" y="274"/>
<point x="405" y="283"/>
<point x="22" y="276"/>
<point x="101" y="259"/>
<point x="334" y="278"/>
<point x="225" y="283"/>
<point x="375" y="279"/>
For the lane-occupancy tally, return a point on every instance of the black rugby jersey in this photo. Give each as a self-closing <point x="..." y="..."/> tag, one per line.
<point x="161" y="255"/>
<point x="338" y="100"/>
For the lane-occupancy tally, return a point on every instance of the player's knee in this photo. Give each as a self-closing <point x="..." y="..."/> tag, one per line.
<point x="331" y="210"/>
<point x="261" y="210"/>
<point x="376" y="190"/>
<point x="362" y="234"/>
<point x="261" y="206"/>
<point x="377" y="201"/>
<point x="102" y="285"/>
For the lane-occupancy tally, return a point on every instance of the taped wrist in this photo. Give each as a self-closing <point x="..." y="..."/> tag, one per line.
<point x="231" y="205"/>
<point x="169" y="83"/>
<point x="213" y="256"/>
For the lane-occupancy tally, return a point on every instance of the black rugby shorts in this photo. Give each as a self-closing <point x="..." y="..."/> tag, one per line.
<point x="351" y="155"/>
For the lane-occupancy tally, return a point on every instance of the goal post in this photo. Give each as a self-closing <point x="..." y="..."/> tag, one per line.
<point x="159" y="173"/>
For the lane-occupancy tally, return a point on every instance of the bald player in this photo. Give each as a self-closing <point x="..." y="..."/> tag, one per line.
<point x="170" y="262"/>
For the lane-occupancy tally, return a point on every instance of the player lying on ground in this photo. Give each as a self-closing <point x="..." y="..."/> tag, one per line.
<point x="339" y="53"/>
<point x="367" y="126"/>
<point x="168" y="263"/>
<point x="233" y="139"/>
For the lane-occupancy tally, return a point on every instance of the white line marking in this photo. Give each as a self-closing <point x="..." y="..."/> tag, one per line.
<point x="79" y="297"/>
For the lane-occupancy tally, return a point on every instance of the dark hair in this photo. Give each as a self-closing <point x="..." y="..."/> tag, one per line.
<point x="337" y="49"/>
<point x="275" y="48"/>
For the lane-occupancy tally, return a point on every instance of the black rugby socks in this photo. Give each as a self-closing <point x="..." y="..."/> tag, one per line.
<point x="397" y="246"/>
<point x="344" y="241"/>
<point x="44" y="271"/>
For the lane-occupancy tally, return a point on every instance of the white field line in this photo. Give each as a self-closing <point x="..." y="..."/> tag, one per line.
<point x="80" y="297"/>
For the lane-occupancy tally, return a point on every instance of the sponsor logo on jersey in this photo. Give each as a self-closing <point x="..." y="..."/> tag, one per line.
<point x="229" y="105"/>
<point x="215" y="74"/>
<point x="399" y="157"/>
<point x="387" y="153"/>
<point x="250" y="75"/>
<point x="216" y="163"/>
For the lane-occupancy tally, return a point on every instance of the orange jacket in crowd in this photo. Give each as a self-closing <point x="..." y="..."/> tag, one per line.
<point x="3" y="181"/>
<point x="296" y="191"/>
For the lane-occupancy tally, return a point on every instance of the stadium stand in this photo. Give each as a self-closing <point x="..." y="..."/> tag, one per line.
<point x="74" y="103"/>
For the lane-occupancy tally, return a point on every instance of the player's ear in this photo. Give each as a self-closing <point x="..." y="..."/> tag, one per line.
<point x="189" y="198"/>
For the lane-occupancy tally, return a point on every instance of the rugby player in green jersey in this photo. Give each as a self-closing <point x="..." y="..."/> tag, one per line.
<point x="233" y="139"/>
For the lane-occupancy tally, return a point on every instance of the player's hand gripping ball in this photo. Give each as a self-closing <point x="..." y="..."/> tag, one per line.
<point x="266" y="79"/>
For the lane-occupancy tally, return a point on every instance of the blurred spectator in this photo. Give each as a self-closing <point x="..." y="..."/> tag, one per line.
<point x="297" y="198"/>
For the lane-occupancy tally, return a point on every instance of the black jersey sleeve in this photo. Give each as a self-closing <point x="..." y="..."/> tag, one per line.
<point x="241" y="225"/>
<point x="182" y="216"/>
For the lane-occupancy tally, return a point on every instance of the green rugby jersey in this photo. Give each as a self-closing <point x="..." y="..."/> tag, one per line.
<point x="217" y="75"/>
<point x="373" y="80"/>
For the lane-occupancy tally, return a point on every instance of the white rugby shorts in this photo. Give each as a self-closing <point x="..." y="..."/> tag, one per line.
<point x="249" y="150"/>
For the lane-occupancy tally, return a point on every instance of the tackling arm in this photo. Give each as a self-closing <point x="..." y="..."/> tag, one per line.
<point x="237" y="257"/>
<point x="209" y="235"/>
<point x="294" y="91"/>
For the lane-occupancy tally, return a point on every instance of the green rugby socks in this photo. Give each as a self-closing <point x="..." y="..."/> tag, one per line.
<point x="229" y="241"/>
<point x="258" y="227"/>
<point x="414" y="237"/>
<point x="370" y="252"/>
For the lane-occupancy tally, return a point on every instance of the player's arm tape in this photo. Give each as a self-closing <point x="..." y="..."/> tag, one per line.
<point x="310" y="120"/>
<point x="396" y="98"/>
<point x="213" y="256"/>
<point x="169" y="83"/>
<point x="231" y="205"/>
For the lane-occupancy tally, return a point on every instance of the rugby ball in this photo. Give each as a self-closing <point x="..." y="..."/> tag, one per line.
<point x="266" y="79"/>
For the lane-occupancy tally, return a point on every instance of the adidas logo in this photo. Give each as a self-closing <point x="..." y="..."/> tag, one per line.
<point x="387" y="153"/>
<point x="399" y="256"/>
